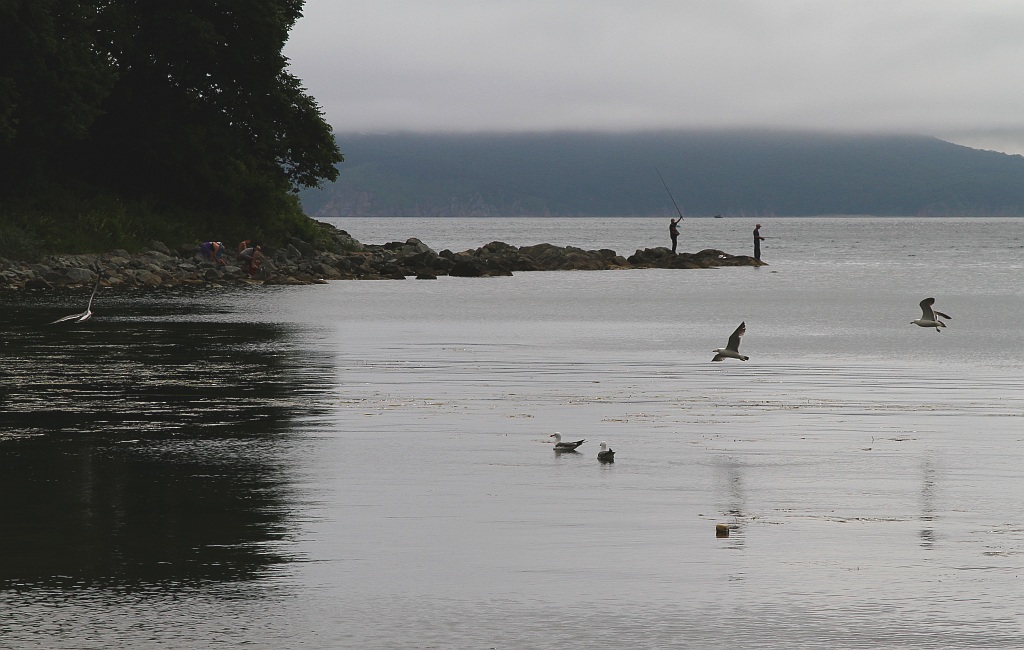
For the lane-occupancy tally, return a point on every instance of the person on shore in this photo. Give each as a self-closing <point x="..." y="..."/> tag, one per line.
<point x="242" y="245"/>
<point x="251" y="258"/>
<point x="673" y="232"/>
<point x="757" y="242"/>
<point x="213" y="251"/>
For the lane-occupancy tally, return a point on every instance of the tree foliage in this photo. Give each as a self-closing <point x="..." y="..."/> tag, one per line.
<point x="52" y="78"/>
<point x="186" y="105"/>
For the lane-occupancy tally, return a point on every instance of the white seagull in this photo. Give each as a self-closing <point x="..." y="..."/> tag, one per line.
<point x="85" y="315"/>
<point x="732" y="350"/>
<point x="606" y="455"/>
<point x="565" y="446"/>
<point x="929" y="317"/>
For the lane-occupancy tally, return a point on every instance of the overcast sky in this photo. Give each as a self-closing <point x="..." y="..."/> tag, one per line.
<point x="953" y="69"/>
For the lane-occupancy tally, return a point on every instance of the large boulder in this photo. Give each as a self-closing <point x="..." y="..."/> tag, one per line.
<point x="148" y="278"/>
<point x="417" y="245"/>
<point x="466" y="267"/>
<point x="547" y="257"/>
<point x="304" y="249"/>
<point x="160" y="247"/>
<point x="75" y="275"/>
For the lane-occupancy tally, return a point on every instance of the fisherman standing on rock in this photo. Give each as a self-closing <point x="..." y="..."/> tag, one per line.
<point x="673" y="232"/>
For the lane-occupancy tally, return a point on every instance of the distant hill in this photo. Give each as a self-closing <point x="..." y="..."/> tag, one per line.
<point x="709" y="173"/>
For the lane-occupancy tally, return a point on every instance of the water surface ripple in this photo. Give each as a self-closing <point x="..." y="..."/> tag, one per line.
<point x="368" y="464"/>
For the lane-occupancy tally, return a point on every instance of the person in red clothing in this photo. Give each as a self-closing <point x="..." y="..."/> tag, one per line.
<point x="251" y="257"/>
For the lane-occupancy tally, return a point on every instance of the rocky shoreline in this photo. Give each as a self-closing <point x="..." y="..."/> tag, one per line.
<point x="342" y="258"/>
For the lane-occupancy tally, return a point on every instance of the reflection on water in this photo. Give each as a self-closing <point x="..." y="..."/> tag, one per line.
<point x="145" y="447"/>
<point x="734" y="508"/>
<point x="394" y="437"/>
<point x="929" y="479"/>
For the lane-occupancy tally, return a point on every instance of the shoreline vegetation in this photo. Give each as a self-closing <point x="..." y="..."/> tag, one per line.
<point x="334" y="255"/>
<point x="129" y="122"/>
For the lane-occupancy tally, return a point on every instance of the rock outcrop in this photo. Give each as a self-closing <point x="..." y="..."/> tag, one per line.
<point x="337" y="257"/>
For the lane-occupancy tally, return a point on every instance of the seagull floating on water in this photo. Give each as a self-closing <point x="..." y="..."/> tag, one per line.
<point x="85" y="315"/>
<point x="606" y="455"/>
<point x="732" y="349"/>
<point x="929" y="317"/>
<point x="565" y="446"/>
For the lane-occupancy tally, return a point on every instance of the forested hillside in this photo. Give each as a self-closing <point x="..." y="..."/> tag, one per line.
<point x="709" y="173"/>
<point x="121" y="121"/>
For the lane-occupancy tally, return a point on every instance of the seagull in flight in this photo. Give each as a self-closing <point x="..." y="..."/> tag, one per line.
<point x="930" y="317"/>
<point x="85" y="315"/>
<point x="565" y="446"/>
<point x="732" y="349"/>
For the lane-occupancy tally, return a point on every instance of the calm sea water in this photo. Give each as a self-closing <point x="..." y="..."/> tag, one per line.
<point x="368" y="464"/>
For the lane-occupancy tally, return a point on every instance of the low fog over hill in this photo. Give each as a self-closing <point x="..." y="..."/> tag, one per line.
<point x="709" y="173"/>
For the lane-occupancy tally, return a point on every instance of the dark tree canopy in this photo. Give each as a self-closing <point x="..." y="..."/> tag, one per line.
<point x="53" y="79"/>
<point x="186" y="104"/>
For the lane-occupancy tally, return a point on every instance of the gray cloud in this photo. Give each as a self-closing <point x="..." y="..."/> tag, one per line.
<point x="941" y="67"/>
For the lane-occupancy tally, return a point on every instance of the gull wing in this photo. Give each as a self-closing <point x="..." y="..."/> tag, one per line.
<point x="71" y="317"/>
<point x="85" y="315"/>
<point x="926" y="309"/>
<point x="734" y="340"/>
<point x="569" y="446"/>
<point x="88" y="307"/>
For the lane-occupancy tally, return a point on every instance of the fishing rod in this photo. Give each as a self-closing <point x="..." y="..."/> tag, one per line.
<point x="670" y="194"/>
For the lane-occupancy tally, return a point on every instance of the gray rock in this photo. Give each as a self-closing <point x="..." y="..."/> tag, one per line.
<point x="305" y="250"/>
<point x="75" y="275"/>
<point x="147" y="278"/>
<point x="466" y="268"/>
<point x="417" y="245"/>
<point x="158" y="257"/>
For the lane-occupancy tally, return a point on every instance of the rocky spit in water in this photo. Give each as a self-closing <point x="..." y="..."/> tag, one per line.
<point x="341" y="258"/>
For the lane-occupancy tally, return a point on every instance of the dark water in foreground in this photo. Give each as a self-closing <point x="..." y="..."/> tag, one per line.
<point x="143" y="450"/>
<point x="365" y="464"/>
